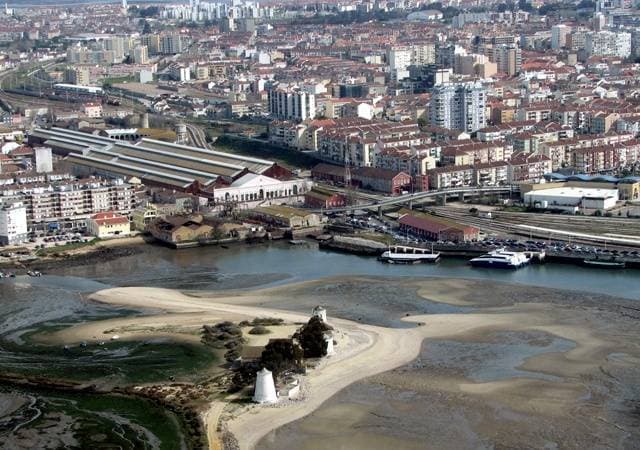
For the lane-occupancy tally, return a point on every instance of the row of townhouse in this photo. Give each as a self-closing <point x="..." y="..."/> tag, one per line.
<point x="414" y="160"/>
<point x="562" y="152"/>
<point x="358" y="143"/>
<point x="606" y="158"/>
<point x="70" y="203"/>
<point x="468" y="152"/>
<point x="521" y="168"/>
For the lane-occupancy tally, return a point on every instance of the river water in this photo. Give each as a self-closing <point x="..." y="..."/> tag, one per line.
<point x="60" y="297"/>
<point x="59" y="293"/>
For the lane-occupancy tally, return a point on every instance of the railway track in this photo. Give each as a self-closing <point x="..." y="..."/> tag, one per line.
<point x="496" y="225"/>
<point x="197" y="136"/>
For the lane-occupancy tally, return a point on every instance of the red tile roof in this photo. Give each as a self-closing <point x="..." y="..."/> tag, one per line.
<point x="109" y="218"/>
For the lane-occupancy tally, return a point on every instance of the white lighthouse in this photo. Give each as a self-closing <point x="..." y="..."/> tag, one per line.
<point x="320" y="313"/>
<point x="328" y="339"/>
<point x="265" y="391"/>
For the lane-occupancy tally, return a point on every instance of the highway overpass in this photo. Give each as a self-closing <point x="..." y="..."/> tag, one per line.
<point x="417" y="196"/>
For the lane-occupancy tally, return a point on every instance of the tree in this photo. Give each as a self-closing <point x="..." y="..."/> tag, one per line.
<point x="524" y="5"/>
<point x="146" y="27"/>
<point x="281" y="355"/>
<point x="311" y="338"/>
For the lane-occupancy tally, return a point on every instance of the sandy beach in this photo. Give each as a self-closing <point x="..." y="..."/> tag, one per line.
<point x="366" y="351"/>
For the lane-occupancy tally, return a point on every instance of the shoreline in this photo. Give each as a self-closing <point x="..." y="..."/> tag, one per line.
<point x="368" y="350"/>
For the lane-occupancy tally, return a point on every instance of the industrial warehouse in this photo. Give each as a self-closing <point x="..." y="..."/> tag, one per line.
<point x="218" y="176"/>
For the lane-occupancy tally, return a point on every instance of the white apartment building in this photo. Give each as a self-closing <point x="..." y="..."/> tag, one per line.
<point x="459" y="106"/>
<point x="399" y="60"/>
<point x="13" y="223"/>
<point x="70" y="203"/>
<point x="559" y="35"/>
<point x="170" y="44"/>
<point x="141" y="54"/>
<point x="291" y="103"/>
<point x="180" y="73"/>
<point x="608" y="43"/>
<point x="423" y="53"/>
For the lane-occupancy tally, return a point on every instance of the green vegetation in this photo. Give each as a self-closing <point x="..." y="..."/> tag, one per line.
<point x="258" y="330"/>
<point x="267" y="321"/>
<point x="286" y="157"/>
<point x="224" y="335"/>
<point x="377" y="237"/>
<point x="144" y="413"/>
<point x="312" y="338"/>
<point x="109" y="82"/>
<point x="129" y="362"/>
<point x="281" y="355"/>
<point x="106" y="420"/>
<point x="67" y="247"/>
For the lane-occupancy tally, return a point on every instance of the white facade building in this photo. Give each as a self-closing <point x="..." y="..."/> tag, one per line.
<point x="259" y="188"/>
<point x="399" y="60"/>
<point x="572" y="198"/>
<point x="180" y="73"/>
<point x="141" y="54"/>
<point x="559" y="35"/>
<point x="44" y="160"/>
<point x="459" y="106"/>
<point x="608" y="43"/>
<point x="291" y="103"/>
<point x="13" y="223"/>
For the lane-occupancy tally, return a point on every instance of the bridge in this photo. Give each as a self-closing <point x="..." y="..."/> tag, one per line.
<point x="417" y="196"/>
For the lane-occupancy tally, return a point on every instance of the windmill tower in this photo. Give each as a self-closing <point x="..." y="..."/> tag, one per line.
<point x="265" y="391"/>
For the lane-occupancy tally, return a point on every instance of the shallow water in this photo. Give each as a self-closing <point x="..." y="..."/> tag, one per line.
<point x="492" y="361"/>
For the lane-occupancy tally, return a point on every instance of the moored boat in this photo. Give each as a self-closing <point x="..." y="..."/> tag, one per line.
<point x="604" y="263"/>
<point x="501" y="259"/>
<point x="400" y="254"/>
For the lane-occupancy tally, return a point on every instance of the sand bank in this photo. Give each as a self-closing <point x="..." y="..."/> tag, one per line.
<point x="362" y="350"/>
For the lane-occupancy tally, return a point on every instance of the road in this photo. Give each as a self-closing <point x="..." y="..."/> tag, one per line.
<point x="417" y="196"/>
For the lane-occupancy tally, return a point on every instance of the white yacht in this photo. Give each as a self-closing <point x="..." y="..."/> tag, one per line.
<point x="501" y="259"/>
<point x="399" y="254"/>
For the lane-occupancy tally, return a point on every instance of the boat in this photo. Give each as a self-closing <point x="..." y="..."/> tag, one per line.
<point x="34" y="273"/>
<point x="399" y="254"/>
<point x="501" y="259"/>
<point x="604" y="263"/>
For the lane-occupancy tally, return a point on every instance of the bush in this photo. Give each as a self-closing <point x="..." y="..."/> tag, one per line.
<point x="311" y="338"/>
<point x="259" y="330"/>
<point x="269" y="321"/>
<point x="281" y="355"/>
<point x="231" y="355"/>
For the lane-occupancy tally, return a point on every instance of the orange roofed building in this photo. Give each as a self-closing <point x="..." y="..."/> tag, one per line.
<point x="108" y="224"/>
